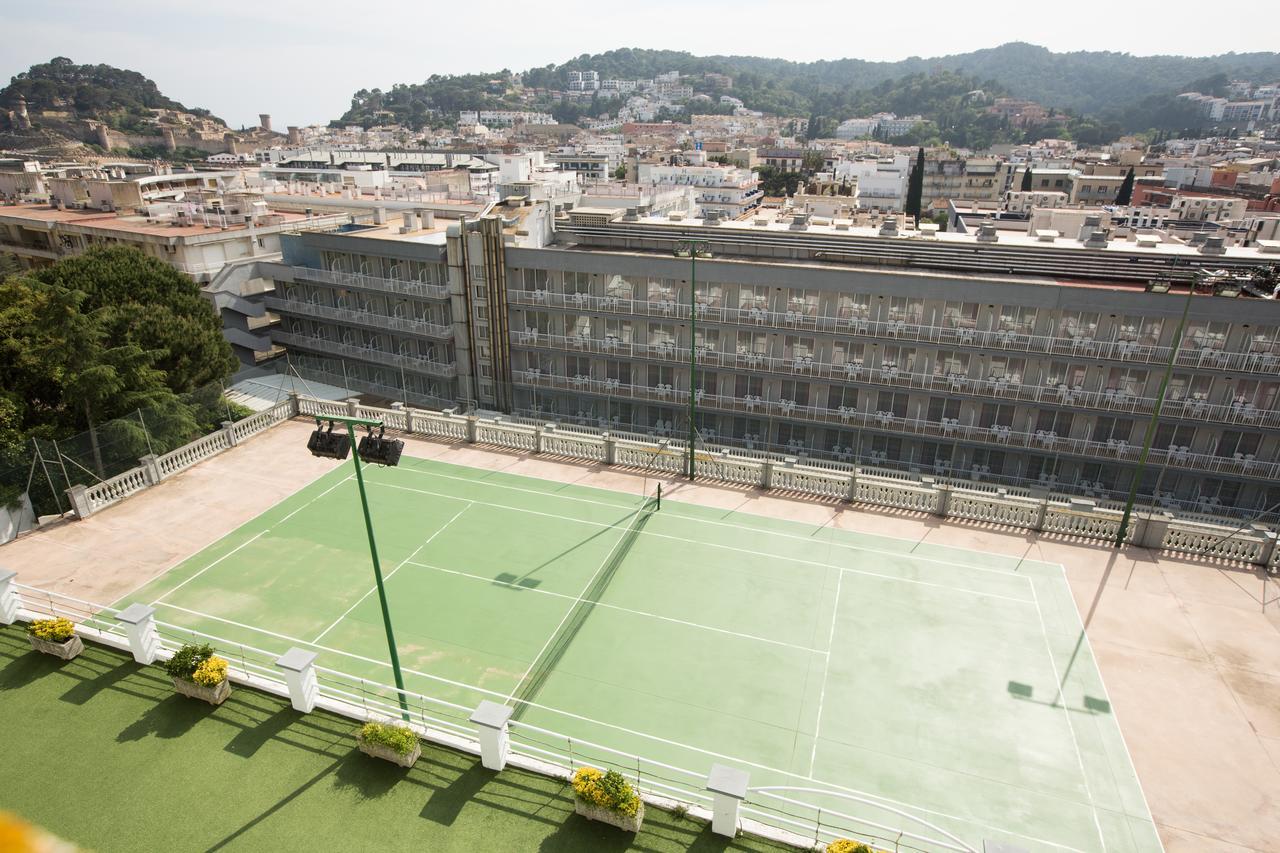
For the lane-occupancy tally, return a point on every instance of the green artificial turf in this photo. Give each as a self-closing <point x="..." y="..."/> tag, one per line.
<point x="101" y="752"/>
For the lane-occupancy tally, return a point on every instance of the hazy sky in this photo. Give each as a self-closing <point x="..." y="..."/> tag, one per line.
<point x="301" y="61"/>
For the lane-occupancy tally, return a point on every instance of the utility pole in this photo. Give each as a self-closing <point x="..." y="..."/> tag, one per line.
<point x="1155" y="416"/>
<point x="692" y="249"/>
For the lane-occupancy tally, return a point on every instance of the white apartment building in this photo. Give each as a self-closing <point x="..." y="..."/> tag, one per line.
<point x="584" y="81"/>
<point x="727" y="190"/>
<point x="1208" y="209"/>
<point x="503" y="118"/>
<point x="882" y="183"/>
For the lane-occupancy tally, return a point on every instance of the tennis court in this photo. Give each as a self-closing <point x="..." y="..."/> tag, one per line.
<point x="951" y="684"/>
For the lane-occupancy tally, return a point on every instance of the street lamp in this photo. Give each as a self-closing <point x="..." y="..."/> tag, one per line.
<point x="692" y="249"/>
<point x="378" y="450"/>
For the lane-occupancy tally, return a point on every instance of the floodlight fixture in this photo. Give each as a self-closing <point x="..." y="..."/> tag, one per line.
<point x="380" y="450"/>
<point x="327" y="443"/>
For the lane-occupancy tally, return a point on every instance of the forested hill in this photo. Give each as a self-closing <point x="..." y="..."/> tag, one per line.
<point x="1124" y="92"/>
<point x="1084" y="81"/>
<point x="121" y="98"/>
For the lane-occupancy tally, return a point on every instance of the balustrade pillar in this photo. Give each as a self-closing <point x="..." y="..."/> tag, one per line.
<point x="298" y="667"/>
<point x="491" y="721"/>
<point x="728" y="787"/>
<point x="140" y="626"/>
<point x="10" y="603"/>
<point x="80" y="504"/>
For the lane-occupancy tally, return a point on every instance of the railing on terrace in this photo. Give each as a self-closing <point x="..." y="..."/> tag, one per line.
<point x="448" y="723"/>
<point x="952" y="430"/>
<point x="892" y="376"/>
<point x="371" y="319"/>
<point x="372" y="282"/>
<point x="1193" y="354"/>
<point x="369" y="354"/>
<point x="1158" y="528"/>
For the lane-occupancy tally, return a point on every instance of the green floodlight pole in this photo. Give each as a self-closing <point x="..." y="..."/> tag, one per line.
<point x="692" y="248"/>
<point x="1155" y="416"/>
<point x="352" y="423"/>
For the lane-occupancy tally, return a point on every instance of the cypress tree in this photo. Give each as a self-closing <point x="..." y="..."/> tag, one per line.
<point x="1125" y="193"/>
<point x="1026" y="179"/>
<point x="915" y="187"/>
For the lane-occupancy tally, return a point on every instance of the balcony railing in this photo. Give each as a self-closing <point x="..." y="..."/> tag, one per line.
<point x="372" y="282"/>
<point x="1191" y="354"/>
<point x="946" y="430"/>
<point x="890" y="376"/>
<point x="369" y="354"/>
<point x="369" y="319"/>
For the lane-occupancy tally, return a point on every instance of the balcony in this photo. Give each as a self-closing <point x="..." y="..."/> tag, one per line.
<point x="368" y="319"/>
<point x="1208" y="356"/>
<point x="891" y="376"/>
<point x="948" y="430"/>
<point x="373" y="283"/>
<point x="369" y="354"/>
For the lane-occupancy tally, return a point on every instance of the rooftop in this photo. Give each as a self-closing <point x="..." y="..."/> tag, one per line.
<point x="1185" y="648"/>
<point x="129" y="222"/>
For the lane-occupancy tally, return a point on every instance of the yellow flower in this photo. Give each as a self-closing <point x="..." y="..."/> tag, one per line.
<point x="57" y="630"/>
<point x="211" y="672"/>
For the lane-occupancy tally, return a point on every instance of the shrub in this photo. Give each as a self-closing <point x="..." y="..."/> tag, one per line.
<point x="399" y="738"/>
<point x="211" y="672"/>
<point x="844" y="845"/>
<point x="187" y="659"/>
<point x="608" y="790"/>
<point x="57" y="630"/>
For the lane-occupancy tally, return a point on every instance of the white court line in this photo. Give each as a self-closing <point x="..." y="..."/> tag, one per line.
<point x="620" y="609"/>
<point x="970" y="821"/>
<point x="948" y="587"/>
<point x="569" y="612"/>
<point x="252" y="539"/>
<point x="555" y="494"/>
<point x="826" y="668"/>
<point x="392" y="573"/>
<point x="1057" y="680"/>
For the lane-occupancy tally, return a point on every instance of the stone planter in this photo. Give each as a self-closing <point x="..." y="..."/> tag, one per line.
<point x="215" y="695"/>
<point x="65" y="650"/>
<point x="609" y="816"/>
<point x="386" y="753"/>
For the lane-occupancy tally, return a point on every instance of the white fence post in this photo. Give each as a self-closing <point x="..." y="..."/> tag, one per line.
<point x="610" y="449"/>
<point x="9" y="601"/>
<point x="353" y="403"/>
<point x="766" y="474"/>
<point x="538" y="432"/>
<point x="408" y="420"/>
<point x="1153" y="532"/>
<point x="298" y="666"/>
<point x="491" y="723"/>
<point x="228" y="430"/>
<point x="294" y="405"/>
<point x="944" y="499"/>
<point x="729" y="788"/>
<point x="140" y="625"/>
<point x="80" y="501"/>
<point x="1269" y="546"/>
<point x="471" y="429"/>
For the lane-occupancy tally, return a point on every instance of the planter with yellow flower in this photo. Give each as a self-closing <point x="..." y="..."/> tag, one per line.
<point x="607" y="797"/>
<point x="199" y="674"/>
<point x="55" y="637"/>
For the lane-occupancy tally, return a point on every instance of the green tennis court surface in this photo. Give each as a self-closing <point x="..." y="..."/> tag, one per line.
<point x="951" y="684"/>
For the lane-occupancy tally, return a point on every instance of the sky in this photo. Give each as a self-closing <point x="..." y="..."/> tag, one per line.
<point x="301" y="61"/>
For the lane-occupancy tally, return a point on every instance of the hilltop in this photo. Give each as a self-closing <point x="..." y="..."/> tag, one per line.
<point x="117" y="110"/>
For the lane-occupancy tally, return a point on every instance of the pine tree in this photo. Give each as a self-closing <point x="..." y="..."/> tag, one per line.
<point x="1125" y="193"/>
<point x="1026" y="179"/>
<point x="915" y="187"/>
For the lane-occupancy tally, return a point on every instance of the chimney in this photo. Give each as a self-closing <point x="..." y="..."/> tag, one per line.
<point x="987" y="232"/>
<point x="410" y="222"/>
<point x="380" y="215"/>
<point x="428" y="218"/>
<point x="1213" y="246"/>
<point x="264" y="121"/>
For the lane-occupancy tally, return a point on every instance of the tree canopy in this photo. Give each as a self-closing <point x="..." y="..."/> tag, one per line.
<point x="99" y="336"/>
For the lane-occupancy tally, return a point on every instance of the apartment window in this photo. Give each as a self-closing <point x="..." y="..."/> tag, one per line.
<point x="744" y="386"/>
<point x="477" y="272"/>
<point x="577" y="282"/>
<point x="842" y="395"/>
<point x="797" y="347"/>
<point x="619" y="287"/>
<point x="853" y="305"/>
<point x="995" y="415"/>
<point x="1052" y="420"/>
<point x="843" y="353"/>
<point x="804" y="302"/>
<point x="753" y="296"/>
<point x="1233" y="442"/>
<point x="753" y="343"/>
<point x="1112" y="429"/>
<point x="796" y="392"/>
<point x="661" y="290"/>
<point x="1078" y="324"/>
<point x="1169" y="435"/>
<point x="710" y="295"/>
<point x="943" y="407"/>
<point x="889" y="401"/>
<point x="575" y="365"/>
<point x="952" y="364"/>
<point x="905" y="309"/>
<point x="617" y="330"/>
<point x="960" y="315"/>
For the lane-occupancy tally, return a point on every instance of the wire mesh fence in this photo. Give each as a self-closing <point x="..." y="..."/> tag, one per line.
<point x="44" y="467"/>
